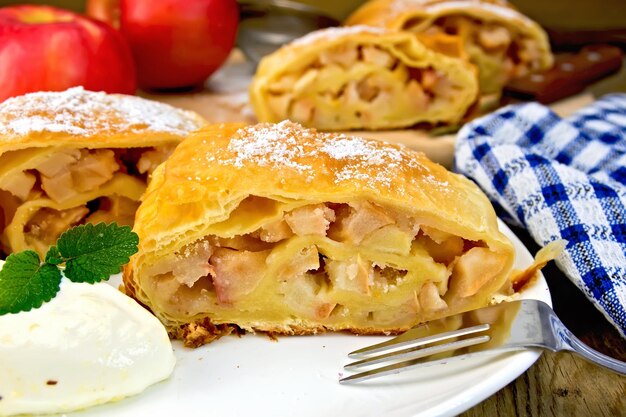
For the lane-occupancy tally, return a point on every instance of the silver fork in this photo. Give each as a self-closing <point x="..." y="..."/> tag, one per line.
<point x="504" y="327"/>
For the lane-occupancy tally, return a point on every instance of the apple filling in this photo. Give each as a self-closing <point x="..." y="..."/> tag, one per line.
<point x="499" y="53"/>
<point x="48" y="193"/>
<point x="337" y="265"/>
<point x="357" y="86"/>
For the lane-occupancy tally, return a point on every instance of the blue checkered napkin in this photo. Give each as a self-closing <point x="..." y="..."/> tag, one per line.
<point x="560" y="179"/>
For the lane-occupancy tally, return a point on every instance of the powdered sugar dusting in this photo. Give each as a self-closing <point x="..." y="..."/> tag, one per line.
<point x="288" y="145"/>
<point x="80" y="112"/>
<point x="363" y="153"/>
<point x="269" y="145"/>
<point x="337" y="32"/>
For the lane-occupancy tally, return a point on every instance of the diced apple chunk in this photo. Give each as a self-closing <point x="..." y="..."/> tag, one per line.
<point x="345" y="55"/>
<point x="417" y="96"/>
<point x="493" y="37"/>
<point x="377" y="56"/>
<point x="63" y="176"/>
<point x="305" y="81"/>
<point x="444" y="251"/>
<point x="429" y="298"/>
<point x="301" y="294"/>
<point x="186" y="266"/>
<point x="368" y="89"/>
<point x="305" y="260"/>
<point x="275" y="232"/>
<point x="93" y="169"/>
<point x="237" y="273"/>
<point x="475" y="269"/>
<point x="354" y="274"/>
<point x="310" y="220"/>
<point x="389" y="239"/>
<point x="58" y="162"/>
<point x="363" y="219"/>
<point x="405" y="222"/>
<point x="302" y="110"/>
<point x="193" y="264"/>
<point x="279" y="103"/>
<point x="19" y="184"/>
<point x="59" y="187"/>
<point x="351" y="94"/>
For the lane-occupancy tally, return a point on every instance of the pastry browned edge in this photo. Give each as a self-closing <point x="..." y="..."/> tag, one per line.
<point x="287" y="230"/>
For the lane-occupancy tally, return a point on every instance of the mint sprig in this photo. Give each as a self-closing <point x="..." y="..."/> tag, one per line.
<point x="25" y="283"/>
<point x="94" y="253"/>
<point x="91" y="253"/>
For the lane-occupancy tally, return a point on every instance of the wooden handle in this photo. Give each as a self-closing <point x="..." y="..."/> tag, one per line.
<point x="571" y="73"/>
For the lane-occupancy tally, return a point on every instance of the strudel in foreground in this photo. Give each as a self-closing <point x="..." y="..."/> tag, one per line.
<point x="283" y="229"/>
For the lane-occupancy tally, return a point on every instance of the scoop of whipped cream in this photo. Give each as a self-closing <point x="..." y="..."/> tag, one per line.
<point x="89" y="345"/>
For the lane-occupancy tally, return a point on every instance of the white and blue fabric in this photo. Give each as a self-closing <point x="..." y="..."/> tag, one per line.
<point x="560" y="179"/>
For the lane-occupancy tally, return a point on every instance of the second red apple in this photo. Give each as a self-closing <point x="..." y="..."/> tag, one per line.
<point x="178" y="43"/>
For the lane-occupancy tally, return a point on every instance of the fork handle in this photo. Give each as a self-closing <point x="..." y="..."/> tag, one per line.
<point x="594" y="356"/>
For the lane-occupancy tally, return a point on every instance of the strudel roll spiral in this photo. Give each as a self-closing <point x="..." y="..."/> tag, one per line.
<point x="499" y="40"/>
<point x="78" y="156"/>
<point x="283" y="229"/>
<point x="362" y="78"/>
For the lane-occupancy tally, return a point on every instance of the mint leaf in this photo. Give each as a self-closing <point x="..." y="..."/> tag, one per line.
<point x="93" y="253"/>
<point x="53" y="256"/>
<point x="25" y="283"/>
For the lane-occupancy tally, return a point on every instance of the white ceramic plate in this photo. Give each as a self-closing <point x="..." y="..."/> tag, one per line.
<point x="254" y="376"/>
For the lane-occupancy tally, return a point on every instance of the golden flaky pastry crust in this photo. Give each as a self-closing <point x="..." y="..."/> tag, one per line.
<point x="361" y="77"/>
<point x="78" y="156"/>
<point x="225" y="183"/>
<point x="482" y="31"/>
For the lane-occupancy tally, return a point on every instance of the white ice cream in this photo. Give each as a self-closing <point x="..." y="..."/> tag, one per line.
<point x="89" y="345"/>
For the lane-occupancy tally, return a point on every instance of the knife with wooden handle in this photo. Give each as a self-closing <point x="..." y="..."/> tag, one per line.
<point x="571" y="73"/>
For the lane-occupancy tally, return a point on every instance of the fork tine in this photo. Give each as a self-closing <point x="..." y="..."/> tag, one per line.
<point x="410" y="338"/>
<point x="413" y="363"/>
<point x="417" y="352"/>
<point x="395" y="368"/>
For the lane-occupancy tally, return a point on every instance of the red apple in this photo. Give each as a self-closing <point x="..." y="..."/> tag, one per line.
<point x="175" y="43"/>
<point x="46" y="48"/>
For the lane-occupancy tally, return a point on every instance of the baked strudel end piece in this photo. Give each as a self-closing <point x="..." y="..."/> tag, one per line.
<point x="502" y="42"/>
<point x="78" y="156"/>
<point x="283" y="229"/>
<point x="362" y="78"/>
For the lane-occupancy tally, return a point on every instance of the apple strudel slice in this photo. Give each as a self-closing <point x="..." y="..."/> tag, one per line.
<point x="78" y="156"/>
<point x="283" y="229"/>
<point x="499" y="40"/>
<point x="361" y="78"/>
